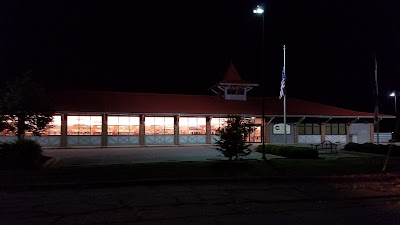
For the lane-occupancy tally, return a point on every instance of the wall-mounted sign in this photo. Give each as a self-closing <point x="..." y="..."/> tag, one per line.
<point x="279" y="128"/>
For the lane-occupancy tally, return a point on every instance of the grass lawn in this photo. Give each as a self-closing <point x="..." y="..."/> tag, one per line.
<point x="202" y="169"/>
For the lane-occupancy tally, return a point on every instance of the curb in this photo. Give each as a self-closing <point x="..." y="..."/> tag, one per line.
<point x="381" y="177"/>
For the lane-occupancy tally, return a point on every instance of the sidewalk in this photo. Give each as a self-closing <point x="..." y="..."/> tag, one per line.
<point x="128" y="155"/>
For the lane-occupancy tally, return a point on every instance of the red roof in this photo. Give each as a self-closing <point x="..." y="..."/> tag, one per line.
<point x="232" y="76"/>
<point x="145" y="103"/>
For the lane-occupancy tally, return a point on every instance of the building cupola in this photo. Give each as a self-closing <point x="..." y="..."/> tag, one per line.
<point x="232" y="87"/>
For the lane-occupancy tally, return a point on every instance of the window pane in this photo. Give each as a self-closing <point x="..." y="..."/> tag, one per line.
<point x="169" y="125"/>
<point x="112" y="120"/>
<point x="316" y="130"/>
<point x="84" y="125"/>
<point x="123" y="125"/>
<point x="216" y="123"/>
<point x="158" y="120"/>
<point x="123" y="120"/>
<point x="95" y="120"/>
<point x="112" y="130"/>
<point x="96" y="130"/>
<point x="183" y="125"/>
<point x="149" y="125"/>
<point x="301" y="130"/>
<point x="159" y="125"/>
<point x="335" y="130"/>
<point x="134" y="130"/>
<point x="54" y="127"/>
<point x="149" y="121"/>
<point x="308" y="130"/>
<point x="342" y="129"/>
<point x="192" y="125"/>
<point x="72" y="125"/>
<point x="158" y="129"/>
<point x="134" y="120"/>
<point x="328" y="129"/>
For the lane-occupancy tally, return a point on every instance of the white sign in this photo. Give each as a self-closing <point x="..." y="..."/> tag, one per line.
<point x="279" y="128"/>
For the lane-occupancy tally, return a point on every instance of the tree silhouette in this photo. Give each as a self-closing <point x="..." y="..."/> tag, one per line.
<point x="24" y="107"/>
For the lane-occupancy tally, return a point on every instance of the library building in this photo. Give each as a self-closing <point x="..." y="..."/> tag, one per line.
<point x="96" y="118"/>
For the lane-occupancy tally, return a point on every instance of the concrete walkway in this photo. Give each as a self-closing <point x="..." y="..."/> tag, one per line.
<point x="128" y="155"/>
<point x="86" y="156"/>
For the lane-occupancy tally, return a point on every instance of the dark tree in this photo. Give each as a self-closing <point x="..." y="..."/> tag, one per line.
<point x="233" y="136"/>
<point x="25" y="107"/>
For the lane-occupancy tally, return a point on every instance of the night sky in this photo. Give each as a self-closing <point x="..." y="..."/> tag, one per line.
<point x="185" y="47"/>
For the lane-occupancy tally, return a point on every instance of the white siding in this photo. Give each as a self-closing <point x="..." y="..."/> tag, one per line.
<point x="336" y="138"/>
<point x="192" y="139"/>
<point x="46" y="141"/>
<point x="309" y="139"/>
<point x="383" y="137"/>
<point x="84" y="140"/>
<point x="116" y="140"/>
<point x="159" y="139"/>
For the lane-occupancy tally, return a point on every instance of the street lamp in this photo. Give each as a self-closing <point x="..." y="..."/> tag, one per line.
<point x="393" y="94"/>
<point x="260" y="11"/>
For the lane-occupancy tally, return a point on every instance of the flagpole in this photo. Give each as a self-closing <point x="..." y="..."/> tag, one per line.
<point x="377" y="106"/>
<point x="284" y="96"/>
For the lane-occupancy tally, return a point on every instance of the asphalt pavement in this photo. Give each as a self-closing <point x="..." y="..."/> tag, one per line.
<point x="208" y="203"/>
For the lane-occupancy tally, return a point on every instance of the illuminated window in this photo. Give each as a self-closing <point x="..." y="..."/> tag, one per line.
<point x="54" y="127"/>
<point x="192" y="125"/>
<point x="7" y="132"/>
<point x="335" y="128"/>
<point x="309" y="129"/>
<point x="159" y="125"/>
<point x="217" y="123"/>
<point x="84" y="125"/>
<point x="123" y="125"/>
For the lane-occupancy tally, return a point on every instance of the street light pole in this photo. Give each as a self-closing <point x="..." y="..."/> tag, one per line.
<point x="393" y="94"/>
<point x="260" y="11"/>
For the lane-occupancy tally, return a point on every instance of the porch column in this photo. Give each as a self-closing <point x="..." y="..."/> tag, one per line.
<point x="64" y="139"/>
<point x="176" y="130"/>
<point x="347" y="132"/>
<point x="208" y="129"/>
<point x="371" y="132"/>
<point x="296" y="132"/>
<point x="104" y="129"/>
<point x="267" y="132"/>
<point x="141" y="130"/>
<point x="323" y="132"/>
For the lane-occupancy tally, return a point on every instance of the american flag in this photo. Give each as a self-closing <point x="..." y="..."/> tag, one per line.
<point x="283" y="85"/>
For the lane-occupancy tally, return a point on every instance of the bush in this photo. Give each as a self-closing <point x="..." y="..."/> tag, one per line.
<point x="293" y="152"/>
<point x="21" y="154"/>
<point x="373" y="148"/>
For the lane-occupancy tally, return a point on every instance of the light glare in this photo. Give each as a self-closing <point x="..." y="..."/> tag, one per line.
<point x="258" y="10"/>
<point x="392" y="94"/>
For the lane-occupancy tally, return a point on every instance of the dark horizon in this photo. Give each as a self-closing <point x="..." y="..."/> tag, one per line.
<point x="185" y="48"/>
